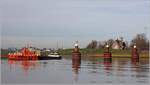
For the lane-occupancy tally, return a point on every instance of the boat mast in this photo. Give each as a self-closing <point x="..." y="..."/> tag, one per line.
<point x="57" y="46"/>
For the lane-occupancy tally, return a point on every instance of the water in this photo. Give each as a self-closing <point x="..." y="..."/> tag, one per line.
<point x="89" y="70"/>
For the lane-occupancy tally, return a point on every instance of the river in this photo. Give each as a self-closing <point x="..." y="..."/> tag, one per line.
<point x="65" y="71"/>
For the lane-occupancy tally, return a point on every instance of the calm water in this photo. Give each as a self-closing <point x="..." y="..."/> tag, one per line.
<point x="89" y="70"/>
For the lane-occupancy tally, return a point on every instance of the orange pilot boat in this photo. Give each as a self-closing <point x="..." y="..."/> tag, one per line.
<point x="25" y="54"/>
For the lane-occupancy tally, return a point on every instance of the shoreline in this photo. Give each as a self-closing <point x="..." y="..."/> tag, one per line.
<point x="113" y="55"/>
<point x="101" y="55"/>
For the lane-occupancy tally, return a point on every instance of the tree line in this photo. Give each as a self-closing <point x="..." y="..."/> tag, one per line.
<point x="140" y="40"/>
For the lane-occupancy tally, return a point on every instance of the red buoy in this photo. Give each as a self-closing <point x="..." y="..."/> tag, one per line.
<point x="76" y="54"/>
<point x="107" y="53"/>
<point x="135" y="54"/>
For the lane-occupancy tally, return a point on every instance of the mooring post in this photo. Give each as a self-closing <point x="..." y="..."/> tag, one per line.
<point x="107" y="53"/>
<point x="76" y="54"/>
<point x="76" y="60"/>
<point x="135" y="54"/>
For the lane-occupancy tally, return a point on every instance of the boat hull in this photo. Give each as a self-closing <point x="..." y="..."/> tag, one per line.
<point x="33" y="58"/>
<point x="49" y="58"/>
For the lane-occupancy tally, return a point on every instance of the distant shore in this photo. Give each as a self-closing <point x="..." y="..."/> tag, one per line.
<point x="119" y="56"/>
<point x="96" y="53"/>
<point x="99" y="53"/>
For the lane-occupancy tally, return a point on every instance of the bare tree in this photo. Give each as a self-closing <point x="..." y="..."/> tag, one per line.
<point x="141" y="41"/>
<point x="110" y="42"/>
<point x="101" y="44"/>
<point x="92" y="44"/>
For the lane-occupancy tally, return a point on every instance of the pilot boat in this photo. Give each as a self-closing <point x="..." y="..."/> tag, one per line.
<point x="24" y="54"/>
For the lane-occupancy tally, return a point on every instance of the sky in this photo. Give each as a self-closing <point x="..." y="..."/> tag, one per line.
<point x="46" y="23"/>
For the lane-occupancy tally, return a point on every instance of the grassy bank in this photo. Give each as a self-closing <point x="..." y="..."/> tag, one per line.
<point x="95" y="52"/>
<point x="99" y="52"/>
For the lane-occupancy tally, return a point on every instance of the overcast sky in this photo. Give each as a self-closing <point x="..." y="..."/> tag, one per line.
<point x="44" y="23"/>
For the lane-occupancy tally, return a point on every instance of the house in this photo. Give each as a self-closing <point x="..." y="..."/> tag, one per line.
<point x="116" y="44"/>
<point x="119" y="44"/>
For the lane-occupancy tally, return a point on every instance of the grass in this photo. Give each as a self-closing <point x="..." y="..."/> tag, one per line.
<point x="99" y="52"/>
<point x="96" y="52"/>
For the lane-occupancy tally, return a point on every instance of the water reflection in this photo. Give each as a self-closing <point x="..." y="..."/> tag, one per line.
<point x="76" y="66"/>
<point x="108" y="66"/>
<point x="135" y="60"/>
<point x="45" y="64"/>
<point x="70" y="70"/>
<point x="139" y="72"/>
<point x="25" y="65"/>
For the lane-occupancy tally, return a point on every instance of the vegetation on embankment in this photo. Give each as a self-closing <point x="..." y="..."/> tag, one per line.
<point x="99" y="52"/>
<point x="96" y="48"/>
<point x="94" y="52"/>
<point x="6" y="51"/>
